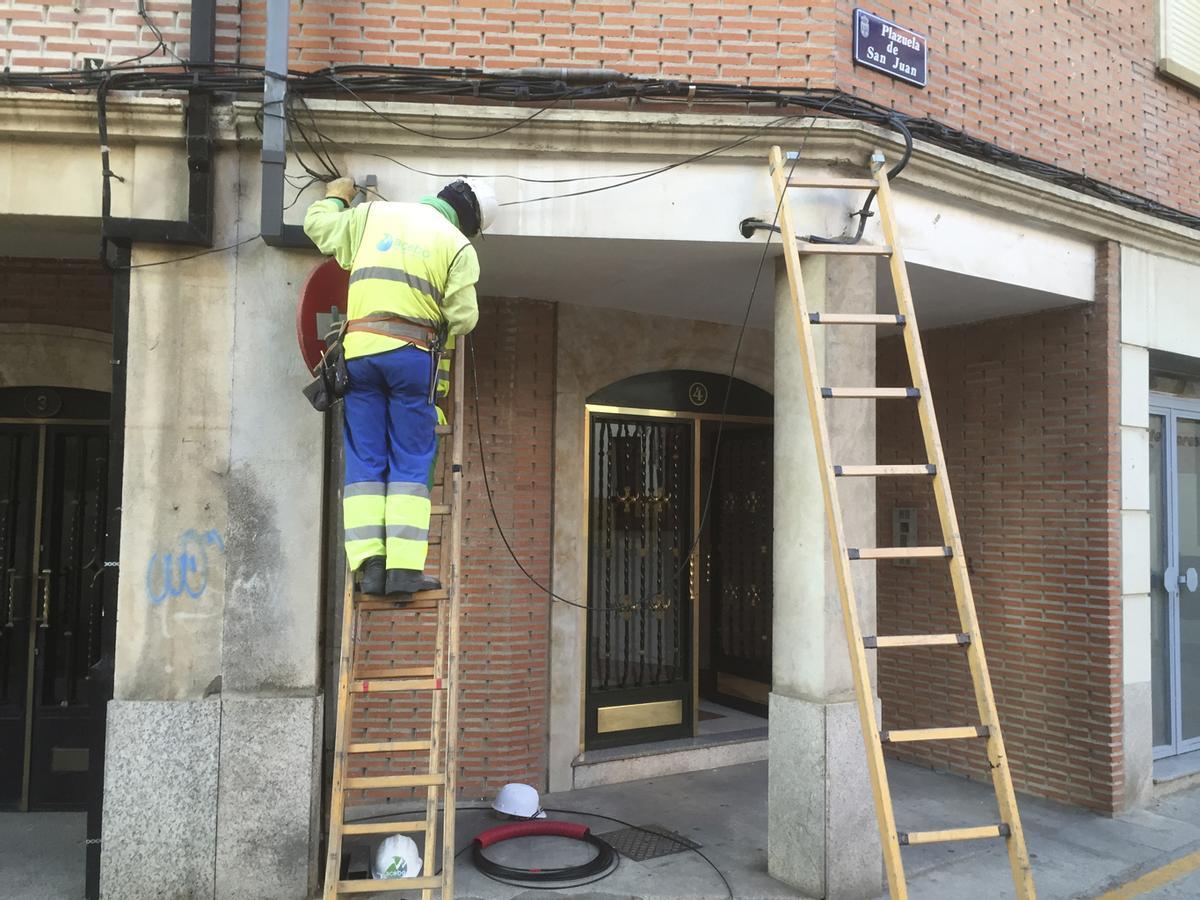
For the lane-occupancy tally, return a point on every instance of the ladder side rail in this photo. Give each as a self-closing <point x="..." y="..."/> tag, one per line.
<point x="952" y="537"/>
<point x="453" y="617"/>
<point x="858" y="659"/>
<point x="435" y="794"/>
<point x="337" y="799"/>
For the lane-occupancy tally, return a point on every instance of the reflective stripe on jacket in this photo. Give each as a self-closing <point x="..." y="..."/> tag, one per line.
<point x="404" y="259"/>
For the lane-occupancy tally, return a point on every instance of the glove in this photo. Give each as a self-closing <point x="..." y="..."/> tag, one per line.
<point x="342" y="188"/>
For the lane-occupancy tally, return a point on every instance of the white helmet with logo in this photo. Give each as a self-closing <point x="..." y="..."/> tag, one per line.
<point x="397" y="857"/>
<point x="519" y="801"/>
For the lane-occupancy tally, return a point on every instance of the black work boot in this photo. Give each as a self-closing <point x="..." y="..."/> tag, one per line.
<point x="410" y="581"/>
<point x="372" y="578"/>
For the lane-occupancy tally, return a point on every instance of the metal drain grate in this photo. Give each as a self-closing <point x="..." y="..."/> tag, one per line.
<point x="648" y="842"/>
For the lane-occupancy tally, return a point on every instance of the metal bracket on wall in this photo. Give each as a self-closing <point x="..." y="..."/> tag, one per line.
<point x="197" y="229"/>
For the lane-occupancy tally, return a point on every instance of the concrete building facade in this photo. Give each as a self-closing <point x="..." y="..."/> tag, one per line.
<point x="183" y="665"/>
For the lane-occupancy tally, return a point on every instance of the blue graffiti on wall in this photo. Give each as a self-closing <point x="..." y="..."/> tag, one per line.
<point x="185" y="571"/>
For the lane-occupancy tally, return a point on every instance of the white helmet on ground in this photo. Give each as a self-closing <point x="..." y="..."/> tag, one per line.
<point x="519" y="801"/>
<point x="397" y="857"/>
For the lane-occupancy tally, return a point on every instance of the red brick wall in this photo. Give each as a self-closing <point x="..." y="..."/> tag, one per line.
<point x="1028" y="412"/>
<point x="1072" y="84"/>
<point x="717" y="40"/>
<point x="64" y="34"/>
<point x="505" y="625"/>
<point x="71" y="292"/>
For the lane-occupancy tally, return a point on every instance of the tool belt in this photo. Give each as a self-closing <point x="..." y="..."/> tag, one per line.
<point x="397" y="326"/>
<point x="416" y="332"/>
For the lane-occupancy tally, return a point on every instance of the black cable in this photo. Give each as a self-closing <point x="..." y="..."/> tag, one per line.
<point x="650" y="173"/>
<point x="864" y="211"/>
<point x="161" y="45"/>
<point x="300" y="191"/>
<point x="154" y="29"/>
<point x="574" y="812"/>
<point x="473" y="137"/>
<point x="686" y="558"/>
<point x="605" y="861"/>
<point x="208" y="252"/>
<point x="476" y="84"/>
<point x="320" y="152"/>
<point x="576" y="178"/>
<point x="558" y="887"/>
<point x="659" y="834"/>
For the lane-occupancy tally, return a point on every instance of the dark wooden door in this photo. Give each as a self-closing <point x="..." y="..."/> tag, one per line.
<point x="19" y="454"/>
<point x="53" y="480"/>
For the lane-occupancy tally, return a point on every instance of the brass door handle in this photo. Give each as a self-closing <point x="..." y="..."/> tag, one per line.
<point x="44" y="578"/>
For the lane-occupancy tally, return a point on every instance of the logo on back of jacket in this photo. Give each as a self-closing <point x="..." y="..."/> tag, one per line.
<point x="387" y="242"/>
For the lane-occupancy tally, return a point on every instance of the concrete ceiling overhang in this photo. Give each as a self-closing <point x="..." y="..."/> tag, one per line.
<point x="59" y="237"/>
<point x="714" y="282"/>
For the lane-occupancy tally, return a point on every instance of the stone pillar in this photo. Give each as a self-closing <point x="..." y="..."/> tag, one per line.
<point x="212" y="771"/>
<point x="822" y="834"/>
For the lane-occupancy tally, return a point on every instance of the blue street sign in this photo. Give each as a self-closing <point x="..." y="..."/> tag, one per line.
<point x="888" y="48"/>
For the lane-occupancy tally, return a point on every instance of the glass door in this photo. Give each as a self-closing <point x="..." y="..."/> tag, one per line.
<point x="1175" y="575"/>
<point x="641" y="512"/>
<point x="1187" y="579"/>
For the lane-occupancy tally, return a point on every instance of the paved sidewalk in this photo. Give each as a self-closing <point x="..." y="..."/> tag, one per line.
<point x="42" y="856"/>
<point x="1152" y="853"/>
<point x="1075" y="853"/>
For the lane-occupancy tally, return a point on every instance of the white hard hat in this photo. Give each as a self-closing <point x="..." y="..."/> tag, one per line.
<point x="519" y="801"/>
<point x="486" y="198"/>
<point x="397" y="857"/>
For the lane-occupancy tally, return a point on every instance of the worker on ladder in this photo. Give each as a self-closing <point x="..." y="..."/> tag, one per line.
<point x="412" y="289"/>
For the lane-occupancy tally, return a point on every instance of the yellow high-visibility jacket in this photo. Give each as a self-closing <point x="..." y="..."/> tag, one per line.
<point x="406" y="259"/>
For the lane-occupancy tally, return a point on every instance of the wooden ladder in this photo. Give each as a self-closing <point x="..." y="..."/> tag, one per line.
<point x="439" y="680"/>
<point x="951" y="548"/>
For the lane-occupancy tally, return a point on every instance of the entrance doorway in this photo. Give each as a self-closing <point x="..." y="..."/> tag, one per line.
<point x="53" y="484"/>
<point x="679" y="583"/>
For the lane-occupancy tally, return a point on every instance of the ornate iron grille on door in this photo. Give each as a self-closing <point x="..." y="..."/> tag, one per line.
<point x="640" y="535"/>
<point x="739" y="571"/>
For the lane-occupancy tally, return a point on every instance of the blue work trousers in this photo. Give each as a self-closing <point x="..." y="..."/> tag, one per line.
<point x="390" y="445"/>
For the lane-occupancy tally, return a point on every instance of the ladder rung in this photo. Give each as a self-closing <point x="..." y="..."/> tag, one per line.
<point x="879" y="642"/>
<point x="444" y="429"/>
<point x="367" y="782"/>
<point x="845" y="249"/>
<point x="441" y="509"/>
<point x="387" y="746"/>
<point x="383" y="827"/>
<point x="395" y="685"/>
<point x="383" y="604"/>
<point x="872" y="471"/>
<point x="817" y="181"/>
<point x="898" y="552"/>
<point x="407" y="672"/>
<point x="874" y="393"/>
<point x="854" y="319"/>
<point x="953" y="834"/>
<point x="408" y="602"/>
<point x="373" y="885"/>
<point x="933" y="734"/>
